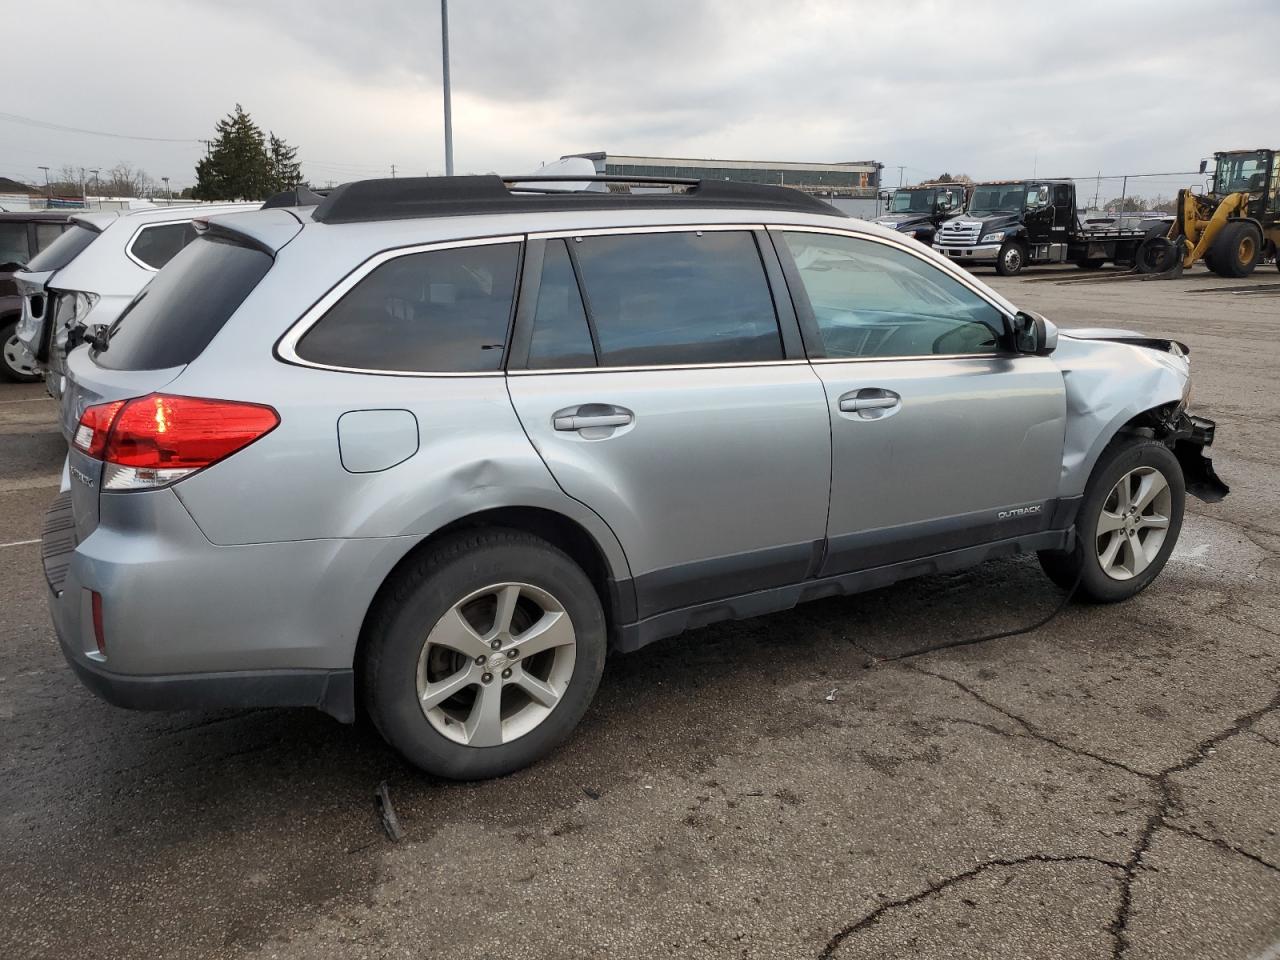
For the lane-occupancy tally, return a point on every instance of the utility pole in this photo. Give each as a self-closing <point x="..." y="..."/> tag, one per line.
<point x="167" y="192"/>
<point x="48" y="189"/>
<point x="448" y="105"/>
<point x="95" y="184"/>
<point x="393" y="171"/>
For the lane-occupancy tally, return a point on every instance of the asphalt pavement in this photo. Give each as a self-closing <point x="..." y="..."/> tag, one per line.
<point x="1105" y="786"/>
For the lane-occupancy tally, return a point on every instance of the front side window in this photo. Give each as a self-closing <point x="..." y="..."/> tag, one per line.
<point x="874" y="300"/>
<point x="439" y="311"/>
<point x="678" y="298"/>
<point x="13" y="243"/>
<point x="1241" y="173"/>
<point x="157" y="245"/>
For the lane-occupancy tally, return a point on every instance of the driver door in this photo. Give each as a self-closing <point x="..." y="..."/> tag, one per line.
<point x="940" y="437"/>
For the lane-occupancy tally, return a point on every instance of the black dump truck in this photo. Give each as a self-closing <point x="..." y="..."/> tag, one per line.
<point x="919" y="211"/>
<point x="1011" y="223"/>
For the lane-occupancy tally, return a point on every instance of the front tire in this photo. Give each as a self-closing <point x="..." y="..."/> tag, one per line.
<point x="1011" y="259"/>
<point x="1128" y="523"/>
<point x="482" y="656"/>
<point x="1236" y="250"/>
<point x="16" y="363"/>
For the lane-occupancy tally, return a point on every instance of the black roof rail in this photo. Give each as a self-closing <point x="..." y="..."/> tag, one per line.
<point x="414" y="197"/>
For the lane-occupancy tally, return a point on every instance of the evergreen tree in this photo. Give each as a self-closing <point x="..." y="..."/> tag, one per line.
<point x="238" y="166"/>
<point x="286" y="171"/>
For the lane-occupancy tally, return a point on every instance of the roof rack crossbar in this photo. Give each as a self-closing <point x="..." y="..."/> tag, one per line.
<point x="419" y="197"/>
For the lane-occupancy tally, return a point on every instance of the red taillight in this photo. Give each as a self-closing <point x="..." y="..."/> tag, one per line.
<point x="99" y="635"/>
<point x="95" y="424"/>
<point x="156" y="440"/>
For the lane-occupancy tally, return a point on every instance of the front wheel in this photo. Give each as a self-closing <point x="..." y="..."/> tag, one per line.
<point x="483" y="656"/>
<point x="1010" y="259"/>
<point x="16" y="362"/>
<point x="1236" y="250"/>
<point x="1128" y="523"/>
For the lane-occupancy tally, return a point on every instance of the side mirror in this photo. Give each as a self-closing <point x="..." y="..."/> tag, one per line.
<point x="1204" y="165"/>
<point x="1034" y="334"/>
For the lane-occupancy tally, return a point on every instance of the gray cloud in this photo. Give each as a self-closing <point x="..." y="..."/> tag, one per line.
<point x="991" y="89"/>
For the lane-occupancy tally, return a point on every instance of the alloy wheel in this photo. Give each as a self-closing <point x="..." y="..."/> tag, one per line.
<point x="496" y="664"/>
<point x="1133" y="523"/>
<point x="1012" y="259"/>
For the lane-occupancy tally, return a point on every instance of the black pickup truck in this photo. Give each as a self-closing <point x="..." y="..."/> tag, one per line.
<point x="1011" y="223"/>
<point x="919" y="211"/>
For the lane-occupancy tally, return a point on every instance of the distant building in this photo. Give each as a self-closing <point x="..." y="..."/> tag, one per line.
<point x="860" y="179"/>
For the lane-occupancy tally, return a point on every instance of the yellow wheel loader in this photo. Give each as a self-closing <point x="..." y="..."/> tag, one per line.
<point x="1231" y="228"/>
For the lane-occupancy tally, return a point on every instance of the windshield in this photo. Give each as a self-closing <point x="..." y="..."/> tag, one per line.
<point x="1239" y="173"/>
<point x="1006" y="198"/>
<point x="63" y="250"/>
<point x="913" y="201"/>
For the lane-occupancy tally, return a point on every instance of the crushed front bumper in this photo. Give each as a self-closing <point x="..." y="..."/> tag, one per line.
<point x="1188" y="437"/>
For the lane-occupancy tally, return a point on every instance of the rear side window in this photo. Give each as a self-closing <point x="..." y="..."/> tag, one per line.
<point x="158" y="244"/>
<point x="176" y="315"/>
<point x="678" y="298"/>
<point x="63" y="250"/>
<point x="439" y="311"/>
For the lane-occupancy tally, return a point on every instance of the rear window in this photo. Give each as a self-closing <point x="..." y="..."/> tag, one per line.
<point x="176" y="315"/>
<point x="63" y="250"/>
<point x="158" y="244"/>
<point x="440" y="311"/>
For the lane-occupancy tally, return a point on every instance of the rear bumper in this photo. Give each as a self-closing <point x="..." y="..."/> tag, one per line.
<point x="193" y="625"/>
<point x="332" y="691"/>
<point x="981" y="253"/>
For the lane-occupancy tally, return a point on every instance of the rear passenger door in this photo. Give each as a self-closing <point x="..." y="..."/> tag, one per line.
<point x="941" y="438"/>
<point x="652" y="373"/>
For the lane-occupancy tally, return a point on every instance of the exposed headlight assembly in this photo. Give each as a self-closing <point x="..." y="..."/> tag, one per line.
<point x="994" y="237"/>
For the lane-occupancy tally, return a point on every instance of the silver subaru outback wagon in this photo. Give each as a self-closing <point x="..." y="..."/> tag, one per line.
<point x="435" y="446"/>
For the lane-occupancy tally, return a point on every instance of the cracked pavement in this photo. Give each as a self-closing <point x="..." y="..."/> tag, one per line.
<point x="1106" y="786"/>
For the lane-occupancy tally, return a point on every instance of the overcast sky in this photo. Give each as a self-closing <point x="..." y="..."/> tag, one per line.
<point x="989" y="89"/>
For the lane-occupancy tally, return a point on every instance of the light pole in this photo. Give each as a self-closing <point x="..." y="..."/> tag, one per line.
<point x="448" y="105"/>
<point x="48" y="189"/>
<point x="167" y="192"/>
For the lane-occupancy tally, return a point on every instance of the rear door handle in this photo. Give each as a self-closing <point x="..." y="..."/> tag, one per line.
<point x="870" y="403"/>
<point x="850" y="404"/>
<point x="587" y="416"/>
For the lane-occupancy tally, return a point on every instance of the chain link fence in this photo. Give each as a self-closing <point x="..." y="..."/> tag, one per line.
<point x="1134" y="192"/>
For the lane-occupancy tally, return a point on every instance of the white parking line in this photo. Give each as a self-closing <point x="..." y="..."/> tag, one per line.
<point x="18" y="543"/>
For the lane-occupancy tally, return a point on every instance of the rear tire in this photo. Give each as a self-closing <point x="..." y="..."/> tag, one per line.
<point x="1122" y="543"/>
<point x="465" y="691"/>
<point x="1011" y="259"/>
<point x="1236" y="250"/>
<point x="16" y="363"/>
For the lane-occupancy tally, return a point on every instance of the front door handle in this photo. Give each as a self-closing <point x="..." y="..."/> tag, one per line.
<point x="870" y="403"/>
<point x="591" y="415"/>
